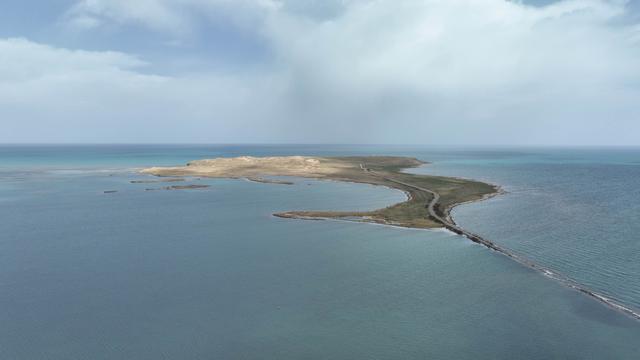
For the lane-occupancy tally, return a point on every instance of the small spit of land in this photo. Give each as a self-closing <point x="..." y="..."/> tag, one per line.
<point x="428" y="205"/>
<point x="270" y="181"/>
<point x="156" y="181"/>
<point x="179" y="187"/>
<point x="429" y="197"/>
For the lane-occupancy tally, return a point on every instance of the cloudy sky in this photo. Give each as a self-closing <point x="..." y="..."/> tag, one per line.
<point x="320" y="71"/>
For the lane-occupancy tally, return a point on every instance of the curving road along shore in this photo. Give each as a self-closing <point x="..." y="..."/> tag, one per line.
<point x="431" y="205"/>
<point x="451" y="226"/>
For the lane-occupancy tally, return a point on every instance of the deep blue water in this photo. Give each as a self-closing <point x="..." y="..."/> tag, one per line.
<point x="210" y="274"/>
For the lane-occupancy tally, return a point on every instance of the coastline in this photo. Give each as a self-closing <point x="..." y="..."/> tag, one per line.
<point x="500" y="191"/>
<point x="433" y="210"/>
<point x="373" y="170"/>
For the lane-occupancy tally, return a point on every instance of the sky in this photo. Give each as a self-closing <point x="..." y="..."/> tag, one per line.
<point x="441" y="72"/>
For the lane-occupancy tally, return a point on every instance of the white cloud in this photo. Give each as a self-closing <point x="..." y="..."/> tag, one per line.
<point x="23" y="60"/>
<point x="176" y="17"/>
<point x="53" y="94"/>
<point x="356" y="71"/>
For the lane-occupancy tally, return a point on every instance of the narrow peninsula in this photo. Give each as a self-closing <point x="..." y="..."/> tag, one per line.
<point x="429" y="198"/>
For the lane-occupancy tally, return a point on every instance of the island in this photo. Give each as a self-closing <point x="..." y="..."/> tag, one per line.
<point x="429" y="198"/>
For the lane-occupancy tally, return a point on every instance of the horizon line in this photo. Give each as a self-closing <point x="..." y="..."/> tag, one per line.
<point x="314" y="144"/>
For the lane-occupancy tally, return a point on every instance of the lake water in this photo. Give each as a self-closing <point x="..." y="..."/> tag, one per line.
<point x="210" y="274"/>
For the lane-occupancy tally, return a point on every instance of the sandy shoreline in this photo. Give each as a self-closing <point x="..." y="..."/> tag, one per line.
<point x="375" y="170"/>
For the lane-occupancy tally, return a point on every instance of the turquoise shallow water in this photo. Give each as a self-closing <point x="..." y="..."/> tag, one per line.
<point x="210" y="274"/>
